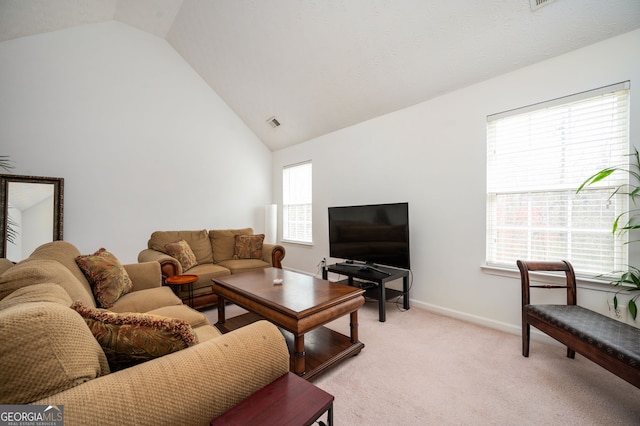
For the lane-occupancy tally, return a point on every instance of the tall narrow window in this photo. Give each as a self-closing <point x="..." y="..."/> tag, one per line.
<point x="536" y="159"/>
<point x="297" y="203"/>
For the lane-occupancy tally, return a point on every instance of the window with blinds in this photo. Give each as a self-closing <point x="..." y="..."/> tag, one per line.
<point x="537" y="157"/>
<point x="297" y="203"/>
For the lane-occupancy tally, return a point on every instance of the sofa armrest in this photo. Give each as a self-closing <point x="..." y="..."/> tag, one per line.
<point x="273" y="254"/>
<point x="191" y="386"/>
<point x="169" y="265"/>
<point x="144" y="275"/>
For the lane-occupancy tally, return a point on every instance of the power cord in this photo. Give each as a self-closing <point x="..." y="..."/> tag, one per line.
<point x="320" y="266"/>
<point x="399" y="304"/>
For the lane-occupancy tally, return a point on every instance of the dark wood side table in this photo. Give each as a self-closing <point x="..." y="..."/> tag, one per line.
<point x="186" y="279"/>
<point x="287" y="401"/>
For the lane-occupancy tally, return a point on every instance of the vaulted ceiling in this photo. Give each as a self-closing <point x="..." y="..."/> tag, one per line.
<point x="321" y="65"/>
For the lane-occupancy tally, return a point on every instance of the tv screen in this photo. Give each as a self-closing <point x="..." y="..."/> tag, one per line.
<point x="376" y="234"/>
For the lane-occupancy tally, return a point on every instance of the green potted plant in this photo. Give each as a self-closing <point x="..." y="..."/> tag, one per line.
<point x="625" y="222"/>
<point x="5" y="163"/>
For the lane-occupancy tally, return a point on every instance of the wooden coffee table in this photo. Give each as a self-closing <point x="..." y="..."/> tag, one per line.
<point x="301" y="305"/>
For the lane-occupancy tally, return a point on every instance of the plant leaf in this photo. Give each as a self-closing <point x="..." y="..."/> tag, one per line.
<point x="5" y="163"/>
<point x="615" y="225"/>
<point x="633" y="309"/>
<point x="602" y="174"/>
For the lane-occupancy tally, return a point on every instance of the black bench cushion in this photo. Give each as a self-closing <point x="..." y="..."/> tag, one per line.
<point x="608" y="335"/>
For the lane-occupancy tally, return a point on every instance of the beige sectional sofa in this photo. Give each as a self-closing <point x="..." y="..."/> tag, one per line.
<point x="50" y="352"/>
<point x="215" y="254"/>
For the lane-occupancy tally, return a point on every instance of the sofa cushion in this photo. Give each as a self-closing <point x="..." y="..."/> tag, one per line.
<point x="37" y="271"/>
<point x="206" y="332"/>
<point x="146" y="300"/>
<point x="205" y="273"/>
<point x="46" y="292"/>
<point x="65" y="253"/>
<point x="108" y="278"/>
<point x="223" y="242"/>
<point x="248" y="246"/>
<point x="46" y="348"/>
<point x="198" y="241"/>
<point x="131" y="338"/>
<point x="183" y="312"/>
<point x="181" y="251"/>
<point x="244" y="265"/>
<point x="144" y="275"/>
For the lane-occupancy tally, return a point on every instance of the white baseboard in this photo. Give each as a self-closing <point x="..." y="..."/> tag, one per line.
<point x="486" y="322"/>
<point x="475" y="319"/>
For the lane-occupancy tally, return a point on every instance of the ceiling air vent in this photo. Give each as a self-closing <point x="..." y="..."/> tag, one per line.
<point x="273" y="122"/>
<point x="537" y="4"/>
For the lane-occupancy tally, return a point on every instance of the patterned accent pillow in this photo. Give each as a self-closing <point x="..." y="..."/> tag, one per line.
<point x="131" y="338"/>
<point x="248" y="246"/>
<point x="181" y="251"/>
<point x="108" y="278"/>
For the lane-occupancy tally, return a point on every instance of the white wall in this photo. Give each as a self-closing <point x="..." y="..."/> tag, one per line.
<point x="433" y="156"/>
<point x="142" y="142"/>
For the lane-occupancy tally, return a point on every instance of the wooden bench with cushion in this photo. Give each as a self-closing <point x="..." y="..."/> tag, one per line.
<point x="611" y="344"/>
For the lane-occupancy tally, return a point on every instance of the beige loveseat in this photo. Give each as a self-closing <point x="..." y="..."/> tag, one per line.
<point x="215" y="254"/>
<point x="50" y="356"/>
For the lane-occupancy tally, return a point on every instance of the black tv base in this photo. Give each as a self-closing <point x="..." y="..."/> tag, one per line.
<point x="379" y="275"/>
<point x="363" y="267"/>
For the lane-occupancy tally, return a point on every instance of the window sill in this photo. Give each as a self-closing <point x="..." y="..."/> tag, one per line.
<point x="588" y="283"/>
<point x="299" y="243"/>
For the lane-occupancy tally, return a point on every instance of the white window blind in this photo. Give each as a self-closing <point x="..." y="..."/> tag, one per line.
<point x="536" y="159"/>
<point x="297" y="203"/>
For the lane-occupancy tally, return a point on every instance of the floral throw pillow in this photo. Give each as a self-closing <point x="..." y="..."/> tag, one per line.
<point x="108" y="278"/>
<point x="181" y="251"/>
<point x="248" y="246"/>
<point x="131" y="338"/>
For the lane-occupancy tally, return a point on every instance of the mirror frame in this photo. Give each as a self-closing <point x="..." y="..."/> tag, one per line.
<point x="58" y="202"/>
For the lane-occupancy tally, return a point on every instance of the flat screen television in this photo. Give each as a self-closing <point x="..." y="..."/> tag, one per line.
<point x="375" y="234"/>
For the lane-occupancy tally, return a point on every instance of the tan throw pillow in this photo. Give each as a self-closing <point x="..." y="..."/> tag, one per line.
<point x="248" y="246"/>
<point x="181" y="251"/>
<point x="108" y="278"/>
<point x="129" y="338"/>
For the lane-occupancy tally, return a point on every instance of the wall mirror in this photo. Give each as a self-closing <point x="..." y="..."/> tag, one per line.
<point x="31" y="209"/>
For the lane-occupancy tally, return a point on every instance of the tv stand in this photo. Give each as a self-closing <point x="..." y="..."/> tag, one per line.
<point x="364" y="267"/>
<point x="379" y="275"/>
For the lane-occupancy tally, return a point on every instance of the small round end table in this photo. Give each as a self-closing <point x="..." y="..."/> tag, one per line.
<point x="188" y="279"/>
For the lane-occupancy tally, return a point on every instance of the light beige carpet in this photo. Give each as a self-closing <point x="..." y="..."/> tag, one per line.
<point x="421" y="368"/>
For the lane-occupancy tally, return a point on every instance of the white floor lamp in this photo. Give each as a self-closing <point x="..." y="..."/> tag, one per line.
<point x="270" y="223"/>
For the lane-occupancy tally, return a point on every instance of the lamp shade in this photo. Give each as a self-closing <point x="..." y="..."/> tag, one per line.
<point x="270" y="223"/>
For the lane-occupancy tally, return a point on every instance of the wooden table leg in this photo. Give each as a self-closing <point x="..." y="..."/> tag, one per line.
<point x="298" y="355"/>
<point x="221" y="318"/>
<point x="354" y="326"/>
